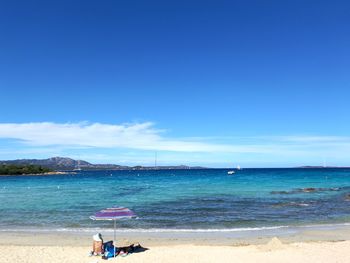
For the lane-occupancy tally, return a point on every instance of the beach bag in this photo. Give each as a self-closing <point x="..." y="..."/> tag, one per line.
<point x="109" y="252"/>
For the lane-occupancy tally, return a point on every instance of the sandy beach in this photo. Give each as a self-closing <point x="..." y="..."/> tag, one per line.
<point x="332" y="245"/>
<point x="274" y="251"/>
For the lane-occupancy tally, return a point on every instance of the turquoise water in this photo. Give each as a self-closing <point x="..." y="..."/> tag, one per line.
<point x="178" y="199"/>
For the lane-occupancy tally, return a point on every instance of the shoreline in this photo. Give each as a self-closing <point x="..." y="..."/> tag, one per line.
<point x="312" y="233"/>
<point x="39" y="174"/>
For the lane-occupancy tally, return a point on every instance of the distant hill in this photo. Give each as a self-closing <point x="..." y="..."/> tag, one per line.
<point x="56" y="163"/>
<point x="64" y="164"/>
<point x="323" y="167"/>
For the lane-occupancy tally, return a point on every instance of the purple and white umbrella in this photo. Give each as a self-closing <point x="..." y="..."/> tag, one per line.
<point x="114" y="213"/>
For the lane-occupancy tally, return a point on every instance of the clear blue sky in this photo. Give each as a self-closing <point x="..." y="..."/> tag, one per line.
<point x="226" y="72"/>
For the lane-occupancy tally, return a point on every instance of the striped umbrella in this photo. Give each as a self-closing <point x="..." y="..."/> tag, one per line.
<point x="114" y="213"/>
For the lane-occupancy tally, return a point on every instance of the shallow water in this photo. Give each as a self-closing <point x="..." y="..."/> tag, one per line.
<point x="178" y="199"/>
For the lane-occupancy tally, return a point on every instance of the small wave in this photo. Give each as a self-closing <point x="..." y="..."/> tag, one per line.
<point x="140" y="230"/>
<point x="169" y="230"/>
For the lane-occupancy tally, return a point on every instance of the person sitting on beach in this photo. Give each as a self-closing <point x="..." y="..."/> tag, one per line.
<point x="97" y="245"/>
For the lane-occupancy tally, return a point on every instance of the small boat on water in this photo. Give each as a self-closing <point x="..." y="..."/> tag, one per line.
<point x="230" y="172"/>
<point x="77" y="168"/>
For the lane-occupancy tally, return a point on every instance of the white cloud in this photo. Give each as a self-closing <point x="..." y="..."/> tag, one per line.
<point x="144" y="136"/>
<point x="313" y="139"/>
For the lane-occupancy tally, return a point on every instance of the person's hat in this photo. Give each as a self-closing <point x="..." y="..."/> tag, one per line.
<point x="97" y="237"/>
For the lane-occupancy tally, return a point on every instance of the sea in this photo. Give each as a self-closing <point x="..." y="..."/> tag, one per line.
<point x="177" y="200"/>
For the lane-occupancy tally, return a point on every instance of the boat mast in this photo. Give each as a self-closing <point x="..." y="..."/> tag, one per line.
<point x="155" y="160"/>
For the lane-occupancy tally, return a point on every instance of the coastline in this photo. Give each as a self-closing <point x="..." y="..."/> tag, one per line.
<point x="38" y="174"/>
<point x="161" y="237"/>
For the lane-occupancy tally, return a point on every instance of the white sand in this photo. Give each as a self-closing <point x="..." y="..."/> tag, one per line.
<point x="274" y="251"/>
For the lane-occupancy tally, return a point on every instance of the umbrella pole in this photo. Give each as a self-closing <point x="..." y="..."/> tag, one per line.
<point x="114" y="239"/>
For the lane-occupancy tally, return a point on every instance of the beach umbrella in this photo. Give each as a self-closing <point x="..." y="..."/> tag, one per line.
<point x="114" y="214"/>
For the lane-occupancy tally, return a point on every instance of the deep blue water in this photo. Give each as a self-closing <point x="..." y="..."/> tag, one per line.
<point x="178" y="199"/>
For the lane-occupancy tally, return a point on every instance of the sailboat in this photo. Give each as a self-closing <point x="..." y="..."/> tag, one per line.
<point x="231" y="172"/>
<point x="155" y="160"/>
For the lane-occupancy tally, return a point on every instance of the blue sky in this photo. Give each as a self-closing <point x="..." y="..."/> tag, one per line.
<point x="216" y="83"/>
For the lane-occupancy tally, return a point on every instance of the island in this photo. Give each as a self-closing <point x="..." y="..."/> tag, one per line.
<point x="13" y="169"/>
<point x="62" y="165"/>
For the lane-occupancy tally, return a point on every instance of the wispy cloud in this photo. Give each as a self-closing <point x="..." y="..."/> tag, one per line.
<point x="100" y="139"/>
<point x="142" y="136"/>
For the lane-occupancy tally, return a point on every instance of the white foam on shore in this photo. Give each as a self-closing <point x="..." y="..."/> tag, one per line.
<point x="172" y="230"/>
<point x="139" y="230"/>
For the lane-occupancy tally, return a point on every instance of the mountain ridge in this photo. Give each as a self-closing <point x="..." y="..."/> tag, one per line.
<point x="66" y="164"/>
